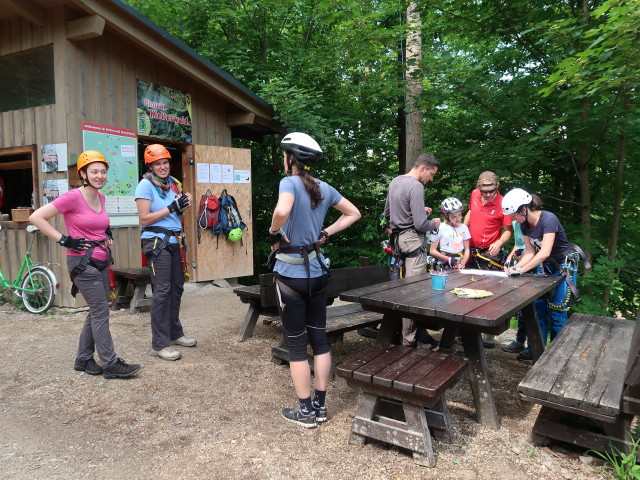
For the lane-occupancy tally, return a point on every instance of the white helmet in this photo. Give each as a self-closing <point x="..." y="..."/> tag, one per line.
<point x="451" y="205"/>
<point x="513" y="200"/>
<point x="302" y="146"/>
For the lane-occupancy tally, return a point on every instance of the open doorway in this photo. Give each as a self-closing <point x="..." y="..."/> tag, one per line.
<point x="18" y="179"/>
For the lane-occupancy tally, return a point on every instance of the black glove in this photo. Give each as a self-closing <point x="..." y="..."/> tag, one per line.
<point x="453" y="261"/>
<point x="75" y="244"/>
<point x="277" y="236"/>
<point x="179" y="204"/>
<point x="323" y="237"/>
<point x="108" y="233"/>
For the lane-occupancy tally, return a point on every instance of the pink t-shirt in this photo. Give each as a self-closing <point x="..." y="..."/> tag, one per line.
<point x="82" y="221"/>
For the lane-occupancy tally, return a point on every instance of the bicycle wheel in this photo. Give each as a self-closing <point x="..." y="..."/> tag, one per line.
<point x="41" y="292"/>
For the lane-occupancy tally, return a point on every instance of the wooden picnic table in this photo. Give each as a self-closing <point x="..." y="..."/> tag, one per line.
<point x="436" y="309"/>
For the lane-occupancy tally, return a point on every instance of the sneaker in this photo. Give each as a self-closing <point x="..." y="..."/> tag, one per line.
<point x="121" y="369"/>
<point x="185" y="342"/>
<point x="458" y="341"/>
<point x="513" y="347"/>
<point x="321" y="413"/>
<point x="525" y="355"/>
<point x="487" y="341"/>
<point x="168" y="353"/>
<point x="90" y="366"/>
<point x="295" y="415"/>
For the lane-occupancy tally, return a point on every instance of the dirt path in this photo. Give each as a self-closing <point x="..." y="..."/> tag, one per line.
<point x="215" y="413"/>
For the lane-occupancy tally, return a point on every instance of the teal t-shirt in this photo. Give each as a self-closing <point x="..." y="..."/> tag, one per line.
<point x="517" y="235"/>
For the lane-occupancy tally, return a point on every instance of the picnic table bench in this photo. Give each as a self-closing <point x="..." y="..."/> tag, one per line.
<point x="133" y="279"/>
<point x="262" y="298"/>
<point x="588" y="383"/>
<point x="416" y="378"/>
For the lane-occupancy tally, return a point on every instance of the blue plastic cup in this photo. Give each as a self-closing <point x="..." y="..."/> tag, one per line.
<point x="438" y="282"/>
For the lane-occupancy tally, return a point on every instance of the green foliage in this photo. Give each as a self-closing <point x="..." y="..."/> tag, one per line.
<point x="534" y="91"/>
<point x="623" y="465"/>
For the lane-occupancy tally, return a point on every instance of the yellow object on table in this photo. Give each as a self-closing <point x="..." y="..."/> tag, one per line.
<point x="471" y="293"/>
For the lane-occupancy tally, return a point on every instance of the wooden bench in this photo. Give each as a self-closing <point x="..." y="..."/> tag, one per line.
<point x="133" y="279"/>
<point x="588" y="383"/>
<point x="416" y="378"/>
<point x="262" y="298"/>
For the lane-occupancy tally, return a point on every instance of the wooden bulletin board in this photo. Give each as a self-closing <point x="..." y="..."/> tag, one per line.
<point x="216" y="257"/>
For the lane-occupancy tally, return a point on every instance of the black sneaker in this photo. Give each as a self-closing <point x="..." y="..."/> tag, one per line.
<point x="525" y="355"/>
<point x="90" y="366"/>
<point x="321" y="413"/>
<point x="295" y="415"/>
<point x="121" y="369"/>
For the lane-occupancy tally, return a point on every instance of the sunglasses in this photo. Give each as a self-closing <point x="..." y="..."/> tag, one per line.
<point x="488" y="190"/>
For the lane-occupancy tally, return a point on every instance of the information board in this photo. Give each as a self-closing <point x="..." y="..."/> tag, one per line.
<point x="119" y="146"/>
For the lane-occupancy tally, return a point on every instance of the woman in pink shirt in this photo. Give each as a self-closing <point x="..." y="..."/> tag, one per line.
<point x="88" y="258"/>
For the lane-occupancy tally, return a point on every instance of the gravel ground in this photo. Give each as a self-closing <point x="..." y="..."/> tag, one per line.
<point x="215" y="414"/>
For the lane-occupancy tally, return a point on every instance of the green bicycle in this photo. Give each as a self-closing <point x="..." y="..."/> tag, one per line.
<point x="38" y="287"/>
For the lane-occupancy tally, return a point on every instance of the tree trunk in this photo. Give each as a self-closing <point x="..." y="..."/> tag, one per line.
<point x="413" y="57"/>
<point x="618" y="186"/>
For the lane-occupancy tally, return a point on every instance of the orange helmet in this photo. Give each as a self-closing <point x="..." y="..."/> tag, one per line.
<point x="155" y="152"/>
<point x="90" y="156"/>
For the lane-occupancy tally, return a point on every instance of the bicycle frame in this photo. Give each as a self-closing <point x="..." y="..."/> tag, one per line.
<point x="26" y="264"/>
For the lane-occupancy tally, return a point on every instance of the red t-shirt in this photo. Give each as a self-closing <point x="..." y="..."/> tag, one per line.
<point x="486" y="221"/>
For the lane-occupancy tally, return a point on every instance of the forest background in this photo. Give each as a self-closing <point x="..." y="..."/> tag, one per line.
<point x="543" y="93"/>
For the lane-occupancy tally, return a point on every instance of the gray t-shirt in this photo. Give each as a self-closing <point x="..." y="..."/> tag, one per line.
<point x="304" y="224"/>
<point x="404" y="206"/>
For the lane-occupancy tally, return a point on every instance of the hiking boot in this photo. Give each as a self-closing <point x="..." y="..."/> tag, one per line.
<point x="121" y="369"/>
<point x="513" y="347"/>
<point x="321" y="413"/>
<point x="295" y="415"/>
<point x="184" y="342"/>
<point x="458" y="341"/>
<point x="90" y="366"/>
<point x="525" y="355"/>
<point x="168" y="353"/>
<point x="427" y="342"/>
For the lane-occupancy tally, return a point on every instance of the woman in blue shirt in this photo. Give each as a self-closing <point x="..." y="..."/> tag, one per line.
<point x="301" y="275"/>
<point x="546" y="250"/>
<point x="160" y="203"/>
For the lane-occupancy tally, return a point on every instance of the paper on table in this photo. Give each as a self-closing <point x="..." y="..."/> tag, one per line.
<point x="491" y="273"/>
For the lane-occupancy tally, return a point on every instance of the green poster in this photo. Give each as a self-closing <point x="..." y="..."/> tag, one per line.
<point x="163" y="112"/>
<point x="120" y="148"/>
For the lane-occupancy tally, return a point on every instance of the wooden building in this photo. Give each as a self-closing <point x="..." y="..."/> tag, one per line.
<point x="80" y="74"/>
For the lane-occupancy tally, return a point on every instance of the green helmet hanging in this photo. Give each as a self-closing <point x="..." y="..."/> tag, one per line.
<point x="235" y="234"/>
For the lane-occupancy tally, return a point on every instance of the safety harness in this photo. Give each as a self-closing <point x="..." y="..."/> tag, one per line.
<point x="88" y="260"/>
<point x="160" y="244"/>
<point x="307" y="253"/>
<point x="573" y="254"/>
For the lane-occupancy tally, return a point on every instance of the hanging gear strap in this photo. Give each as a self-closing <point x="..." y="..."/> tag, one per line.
<point x="159" y="247"/>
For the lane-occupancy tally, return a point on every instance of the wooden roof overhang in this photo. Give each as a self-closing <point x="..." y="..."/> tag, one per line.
<point x="250" y="116"/>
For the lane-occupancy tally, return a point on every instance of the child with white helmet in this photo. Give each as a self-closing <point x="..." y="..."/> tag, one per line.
<point x="451" y="246"/>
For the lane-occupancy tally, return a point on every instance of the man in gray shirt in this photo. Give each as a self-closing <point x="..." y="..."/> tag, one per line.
<point x="409" y="223"/>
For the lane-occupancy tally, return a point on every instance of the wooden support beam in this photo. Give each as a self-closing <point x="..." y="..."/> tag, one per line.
<point x="84" y="28"/>
<point x="29" y="10"/>
<point x="240" y="119"/>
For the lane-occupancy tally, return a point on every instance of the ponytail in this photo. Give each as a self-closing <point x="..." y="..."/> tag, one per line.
<point x="535" y="204"/>
<point x="311" y="186"/>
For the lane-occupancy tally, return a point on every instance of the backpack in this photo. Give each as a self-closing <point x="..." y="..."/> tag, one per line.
<point x="209" y="214"/>
<point x="229" y="214"/>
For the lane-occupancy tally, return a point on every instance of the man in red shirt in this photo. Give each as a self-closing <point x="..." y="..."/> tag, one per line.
<point x="489" y="228"/>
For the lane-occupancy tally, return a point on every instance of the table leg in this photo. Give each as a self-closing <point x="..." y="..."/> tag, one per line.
<point x="480" y="379"/>
<point x="249" y="322"/>
<point x="390" y="328"/>
<point x="534" y="335"/>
